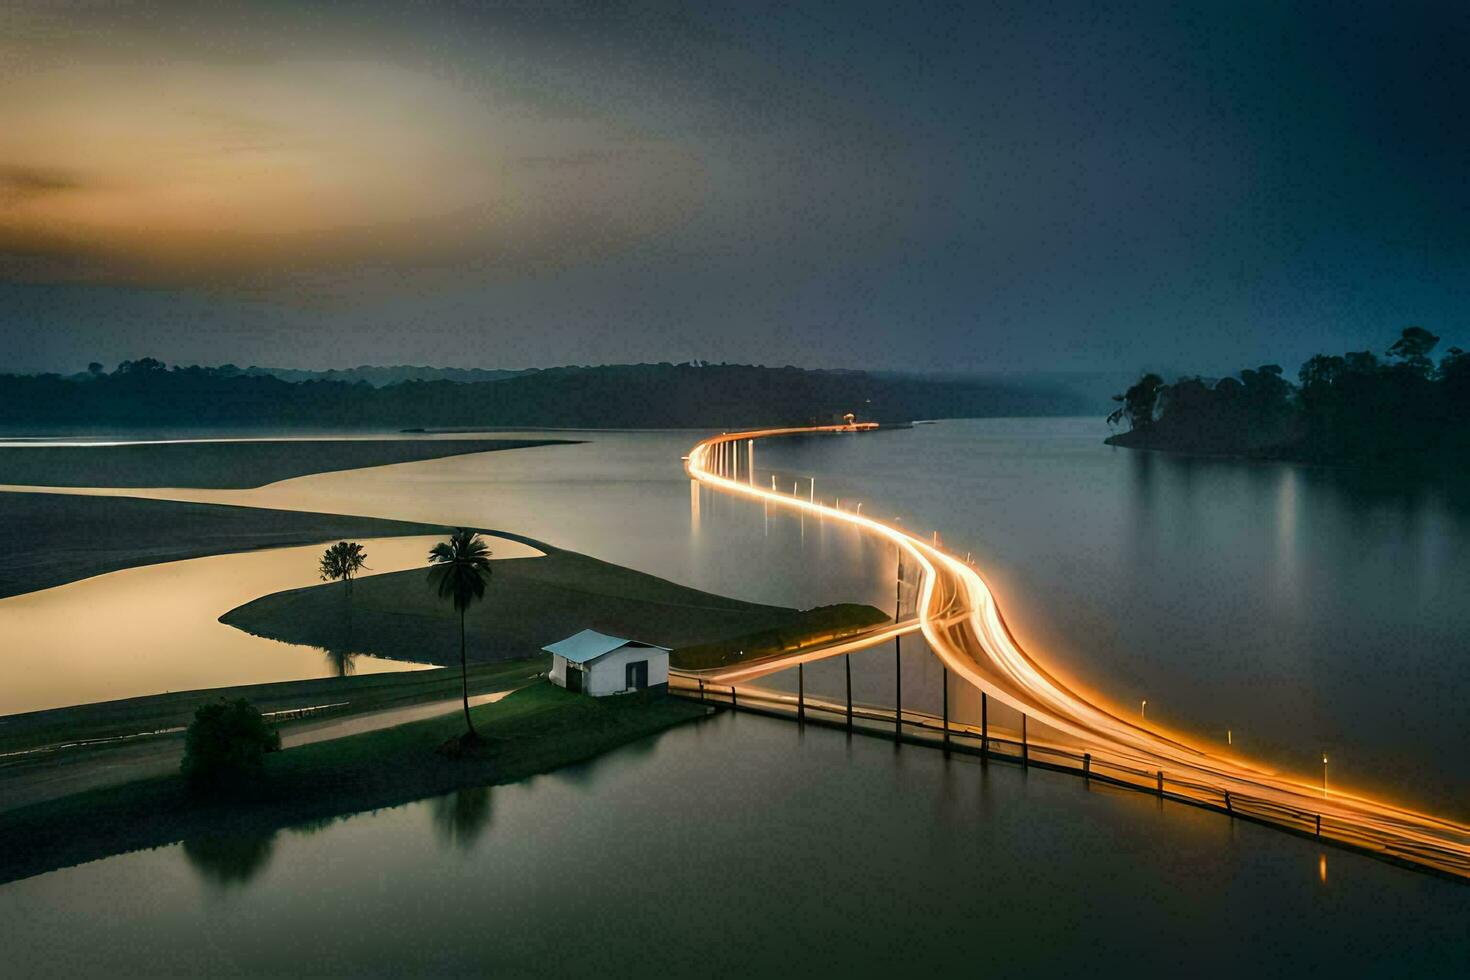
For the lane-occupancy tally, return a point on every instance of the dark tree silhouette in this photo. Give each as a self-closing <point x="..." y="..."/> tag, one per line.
<point x="1412" y="349"/>
<point x="143" y="365"/>
<point x="145" y="393"/>
<point x="341" y="562"/>
<point x="1138" y="402"/>
<point x="1351" y="409"/>
<point x="460" y="572"/>
<point x="225" y="747"/>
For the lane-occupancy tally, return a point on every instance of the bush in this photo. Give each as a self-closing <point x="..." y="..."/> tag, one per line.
<point x="224" y="750"/>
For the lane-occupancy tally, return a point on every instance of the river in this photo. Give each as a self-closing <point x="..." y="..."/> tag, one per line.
<point x="1288" y="610"/>
<point x="1299" y="610"/>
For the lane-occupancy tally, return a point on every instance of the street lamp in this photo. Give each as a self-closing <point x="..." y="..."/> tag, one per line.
<point x="1143" y="709"/>
<point x="1324" y="773"/>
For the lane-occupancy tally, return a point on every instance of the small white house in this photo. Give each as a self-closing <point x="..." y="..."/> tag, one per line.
<point x="597" y="664"/>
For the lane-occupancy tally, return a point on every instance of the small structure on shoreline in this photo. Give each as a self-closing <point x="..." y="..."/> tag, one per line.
<point x="597" y="664"/>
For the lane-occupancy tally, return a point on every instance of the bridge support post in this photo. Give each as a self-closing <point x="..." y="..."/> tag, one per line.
<point x="1025" y="748"/>
<point x="945" y="682"/>
<point x="1087" y="765"/>
<point x="984" y="725"/>
<point x="733" y="702"/>
<point x="898" y="655"/>
<point x="801" y="694"/>
<point x="701" y="689"/>
<point x="1161" y="782"/>
<point x="1228" y="808"/>
<point x="897" y="691"/>
<point x="1319" y="825"/>
<point x="847" y="665"/>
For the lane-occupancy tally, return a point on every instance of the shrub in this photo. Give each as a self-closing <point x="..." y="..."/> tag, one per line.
<point x="225" y="747"/>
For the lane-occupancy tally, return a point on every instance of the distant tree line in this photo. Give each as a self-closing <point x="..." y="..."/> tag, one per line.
<point x="1354" y="408"/>
<point x="145" y="392"/>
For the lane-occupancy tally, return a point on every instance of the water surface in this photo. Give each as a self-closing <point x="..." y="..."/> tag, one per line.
<point x="1292" y="610"/>
<point x="155" y="628"/>
<point x="743" y="846"/>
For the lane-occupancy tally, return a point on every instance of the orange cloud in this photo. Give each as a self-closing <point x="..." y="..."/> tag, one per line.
<point x="218" y="172"/>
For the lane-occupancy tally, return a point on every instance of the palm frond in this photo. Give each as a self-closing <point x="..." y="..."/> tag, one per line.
<point x="460" y="568"/>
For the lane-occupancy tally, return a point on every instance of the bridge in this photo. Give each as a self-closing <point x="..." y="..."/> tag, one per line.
<point x="1059" y="727"/>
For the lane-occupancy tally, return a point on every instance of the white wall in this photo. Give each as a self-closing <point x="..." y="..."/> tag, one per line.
<point x="609" y="675"/>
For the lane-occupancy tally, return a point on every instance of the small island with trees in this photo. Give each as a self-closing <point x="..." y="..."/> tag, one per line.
<point x="1350" y="410"/>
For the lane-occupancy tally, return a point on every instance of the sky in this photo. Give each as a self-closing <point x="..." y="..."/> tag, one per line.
<point x="959" y="187"/>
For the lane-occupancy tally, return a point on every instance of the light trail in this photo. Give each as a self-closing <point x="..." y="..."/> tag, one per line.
<point x="964" y="627"/>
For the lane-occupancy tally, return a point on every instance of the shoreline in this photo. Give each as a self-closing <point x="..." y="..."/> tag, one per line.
<point x="1418" y="465"/>
<point x="534" y="730"/>
<point x="234" y="465"/>
<point x="59" y="752"/>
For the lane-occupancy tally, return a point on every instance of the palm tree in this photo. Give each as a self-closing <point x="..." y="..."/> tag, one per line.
<point x="461" y="569"/>
<point x="342" y="561"/>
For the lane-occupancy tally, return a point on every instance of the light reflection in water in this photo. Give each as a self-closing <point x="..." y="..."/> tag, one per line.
<point x="386" y="893"/>
<point x="1131" y="572"/>
<point x="155" y="628"/>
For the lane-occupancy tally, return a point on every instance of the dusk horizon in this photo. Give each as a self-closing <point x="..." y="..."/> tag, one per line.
<point x="602" y="488"/>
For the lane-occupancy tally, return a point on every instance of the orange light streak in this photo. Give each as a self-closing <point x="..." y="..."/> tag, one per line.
<point x="962" y="623"/>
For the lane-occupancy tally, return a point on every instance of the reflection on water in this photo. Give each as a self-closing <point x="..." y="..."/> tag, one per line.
<point x="827" y="847"/>
<point x="230" y="859"/>
<point x="1297" y="608"/>
<point x="155" y="628"/>
<point x="625" y="499"/>
<point x="1300" y="608"/>
<point x="460" y="818"/>
<point x="340" y="659"/>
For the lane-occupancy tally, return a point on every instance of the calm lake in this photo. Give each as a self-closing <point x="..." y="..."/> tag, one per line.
<point x="742" y="846"/>
<point x="1299" y="610"/>
<point x="1292" y="610"/>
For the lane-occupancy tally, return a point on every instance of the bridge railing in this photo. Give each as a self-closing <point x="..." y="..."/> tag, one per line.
<point x="1046" y="752"/>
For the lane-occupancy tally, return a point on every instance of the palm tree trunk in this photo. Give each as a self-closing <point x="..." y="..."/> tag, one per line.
<point x="464" y="678"/>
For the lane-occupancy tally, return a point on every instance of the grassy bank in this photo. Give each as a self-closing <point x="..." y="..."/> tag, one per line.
<point x="226" y="465"/>
<point x="159" y="712"/>
<point x="808" y="628"/>
<point x="534" y="730"/>
<point x="532" y="602"/>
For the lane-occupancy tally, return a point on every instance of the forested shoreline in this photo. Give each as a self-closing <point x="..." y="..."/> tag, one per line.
<point x="1357" y="409"/>
<point x="148" y="393"/>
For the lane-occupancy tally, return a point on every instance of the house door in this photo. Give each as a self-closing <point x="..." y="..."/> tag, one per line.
<point x="574" y="679"/>
<point x="637" y="675"/>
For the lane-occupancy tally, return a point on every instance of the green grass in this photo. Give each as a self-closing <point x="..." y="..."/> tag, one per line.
<point x="157" y="712"/>
<point x="534" y="730"/>
<point x="810" y="627"/>
<point x="532" y="602"/>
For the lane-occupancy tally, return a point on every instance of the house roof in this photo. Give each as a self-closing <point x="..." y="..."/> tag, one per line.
<point x="588" y="645"/>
